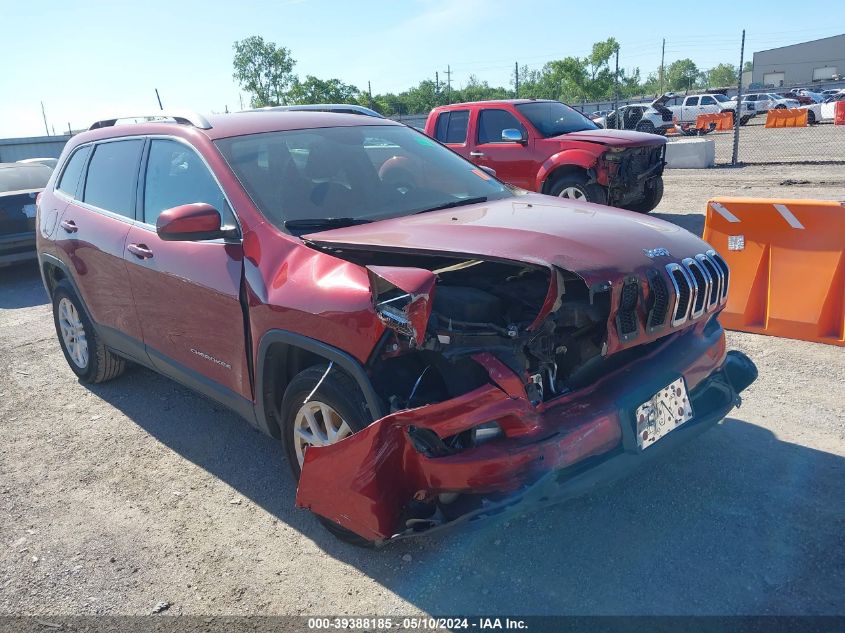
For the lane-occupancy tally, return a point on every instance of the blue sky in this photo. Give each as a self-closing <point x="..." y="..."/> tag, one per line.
<point x="89" y="60"/>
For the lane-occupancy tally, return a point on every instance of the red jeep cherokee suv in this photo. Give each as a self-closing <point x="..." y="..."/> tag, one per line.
<point x="428" y="352"/>
<point x="548" y="147"/>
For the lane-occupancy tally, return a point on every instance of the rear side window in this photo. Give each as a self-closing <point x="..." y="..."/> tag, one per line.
<point x="492" y="122"/>
<point x="176" y="175"/>
<point x="111" y="176"/>
<point x="708" y="101"/>
<point x="452" y="126"/>
<point x="69" y="182"/>
<point x="692" y="101"/>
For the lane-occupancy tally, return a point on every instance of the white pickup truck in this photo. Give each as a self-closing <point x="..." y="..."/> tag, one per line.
<point x="685" y="108"/>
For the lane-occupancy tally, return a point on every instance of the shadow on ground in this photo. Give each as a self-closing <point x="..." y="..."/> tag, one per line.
<point x="692" y="222"/>
<point x="21" y="287"/>
<point x="735" y="522"/>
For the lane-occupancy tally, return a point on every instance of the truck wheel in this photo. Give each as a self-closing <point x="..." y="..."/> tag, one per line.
<point x="651" y="198"/>
<point x="576" y="187"/>
<point x="744" y="120"/>
<point x="320" y="409"/>
<point x="646" y="126"/>
<point x="89" y="359"/>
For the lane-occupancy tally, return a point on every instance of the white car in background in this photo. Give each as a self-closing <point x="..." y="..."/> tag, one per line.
<point x="825" y="111"/>
<point x="686" y="108"/>
<point x="765" y="101"/>
<point x="653" y="118"/>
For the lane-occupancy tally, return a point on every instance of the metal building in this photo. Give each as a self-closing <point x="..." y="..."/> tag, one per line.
<point x="801" y="64"/>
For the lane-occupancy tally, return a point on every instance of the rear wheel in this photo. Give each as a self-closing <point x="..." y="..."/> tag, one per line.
<point x="89" y="359"/>
<point x="811" y="117"/>
<point x="575" y="187"/>
<point x="780" y="106"/>
<point x="322" y="406"/>
<point x="651" y="198"/>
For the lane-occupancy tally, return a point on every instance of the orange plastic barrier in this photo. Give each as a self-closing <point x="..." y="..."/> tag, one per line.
<point x="723" y="120"/>
<point x="787" y="117"/>
<point x="839" y="113"/>
<point x="787" y="266"/>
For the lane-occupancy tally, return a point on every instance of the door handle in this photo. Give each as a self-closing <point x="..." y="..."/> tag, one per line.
<point x="69" y="226"/>
<point x="140" y="251"/>
<point x="476" y="154"/>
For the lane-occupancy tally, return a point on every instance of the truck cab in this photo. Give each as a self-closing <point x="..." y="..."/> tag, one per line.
<point x="686" y="108"/>
<point x="548" y="147"/>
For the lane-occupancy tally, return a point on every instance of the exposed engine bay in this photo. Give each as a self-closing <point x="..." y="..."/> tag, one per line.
<point x="477" y="306"/>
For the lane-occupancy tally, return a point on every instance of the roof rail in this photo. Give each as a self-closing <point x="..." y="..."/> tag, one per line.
<point x="183" y="117"/>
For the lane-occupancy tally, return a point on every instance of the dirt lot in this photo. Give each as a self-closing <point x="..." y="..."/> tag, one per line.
<point x="117" y="497"/>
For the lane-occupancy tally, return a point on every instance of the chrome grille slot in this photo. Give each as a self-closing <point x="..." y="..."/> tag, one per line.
<point x="659" y="299"/>
<point x="723" y="267"/>
<point x="711" y="269"/>
<point x="700" y="287"/>
<point x="626" y="317"/>
<point x="682" y="285"/>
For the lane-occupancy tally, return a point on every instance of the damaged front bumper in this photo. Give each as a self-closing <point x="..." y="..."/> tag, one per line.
<point x="375" y="482"/>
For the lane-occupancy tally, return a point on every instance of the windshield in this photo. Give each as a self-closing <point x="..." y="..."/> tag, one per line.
<point x="553" y="118"/>
<point x="338" y="176"/>
<point x="720" y="98"/>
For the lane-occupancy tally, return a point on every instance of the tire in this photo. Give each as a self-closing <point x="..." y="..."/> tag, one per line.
<point x="744" y="120"/>
<point x="780" y="106"/>
<point x="651" y="199"/>
<point x="339" y="392"/>
<point x="646" y="126"/>
<point x="569" y="185"/>
<point x="811" y="117"/>
<point x="88" y="358"/>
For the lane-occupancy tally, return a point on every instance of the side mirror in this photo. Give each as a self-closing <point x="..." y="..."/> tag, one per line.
<point x="511" y="135"/>
<point x="190" y="222"/>
<point x="487" y="169"/>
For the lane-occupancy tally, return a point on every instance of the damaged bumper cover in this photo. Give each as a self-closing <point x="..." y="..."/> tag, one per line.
<point x="548" y="453"/>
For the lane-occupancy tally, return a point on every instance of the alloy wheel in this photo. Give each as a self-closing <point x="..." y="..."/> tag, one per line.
<point x="573" y="193"/>
<point x="317" y="424"/>
<point x="73" y="333"/>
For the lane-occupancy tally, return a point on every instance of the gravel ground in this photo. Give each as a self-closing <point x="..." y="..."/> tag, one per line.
<point x="118" y="497"/>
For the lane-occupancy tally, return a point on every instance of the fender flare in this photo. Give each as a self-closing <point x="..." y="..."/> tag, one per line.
<point x="267" y="420"/>
<point x="46" y="258"/>
<point x="567" y="158"/>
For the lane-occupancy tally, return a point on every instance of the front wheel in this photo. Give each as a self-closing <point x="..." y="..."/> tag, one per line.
<point x="576" y="187"/>
<point x="646" y="126"/>
<point x="744" y="120"/>
<point x="811" y="117"/>
<point x="651" y="198"/>
<point x="322" y="406"/>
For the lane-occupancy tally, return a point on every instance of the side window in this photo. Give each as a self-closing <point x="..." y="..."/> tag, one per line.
<point x="176" y="175"/>
<point x="691" y="101"/>
<point x="69" y="182"/>
<point x="452" y="126"/>
<point x="492" y="122"/>
<point x="111" y="176"/>
<point x="708" y="101"/>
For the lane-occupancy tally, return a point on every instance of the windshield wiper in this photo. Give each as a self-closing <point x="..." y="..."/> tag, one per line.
<point x="323" y="223"/>
<point x="455" y="203"/>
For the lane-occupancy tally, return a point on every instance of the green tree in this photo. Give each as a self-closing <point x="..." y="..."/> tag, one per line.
<point x="263" y="70"/>
<point x="314" y="90"/>
<point x="721" y="76"/>
<point x="681" y="74"/>
<point x="565" y="80"/>
<point x="748" y="67"/>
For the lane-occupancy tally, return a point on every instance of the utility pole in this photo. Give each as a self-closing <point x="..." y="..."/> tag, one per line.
<point x="44" y="116"/>
<point x="738" y="115"/>
<point x="616" y="88"/>
<point x="160" y="107"/>
<point x="370" y="92"/>
<point x="448" y="72"/>
<point x="662" y="60"/>
<point x="516" y="79"/>
<point x="436" y="88"/>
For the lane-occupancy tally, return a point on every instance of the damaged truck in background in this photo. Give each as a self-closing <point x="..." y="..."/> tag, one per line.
<point x="430" y="345"/>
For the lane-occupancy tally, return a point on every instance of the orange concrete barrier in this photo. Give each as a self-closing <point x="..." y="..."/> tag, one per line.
<point x="787" y="117"/>
<point x="787" y="266"/>
<point x="839" y="113"/>
<point x="723" y="120"/>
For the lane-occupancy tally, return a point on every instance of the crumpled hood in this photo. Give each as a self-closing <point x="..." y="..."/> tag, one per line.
<point x="613" y="138"/>
<point x="598" y="243"/>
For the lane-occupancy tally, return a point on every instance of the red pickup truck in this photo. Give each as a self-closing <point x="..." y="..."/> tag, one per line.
<point x="548" y="147"/>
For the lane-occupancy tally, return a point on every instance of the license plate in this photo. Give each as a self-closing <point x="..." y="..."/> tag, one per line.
<point x="664" y="412"/>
